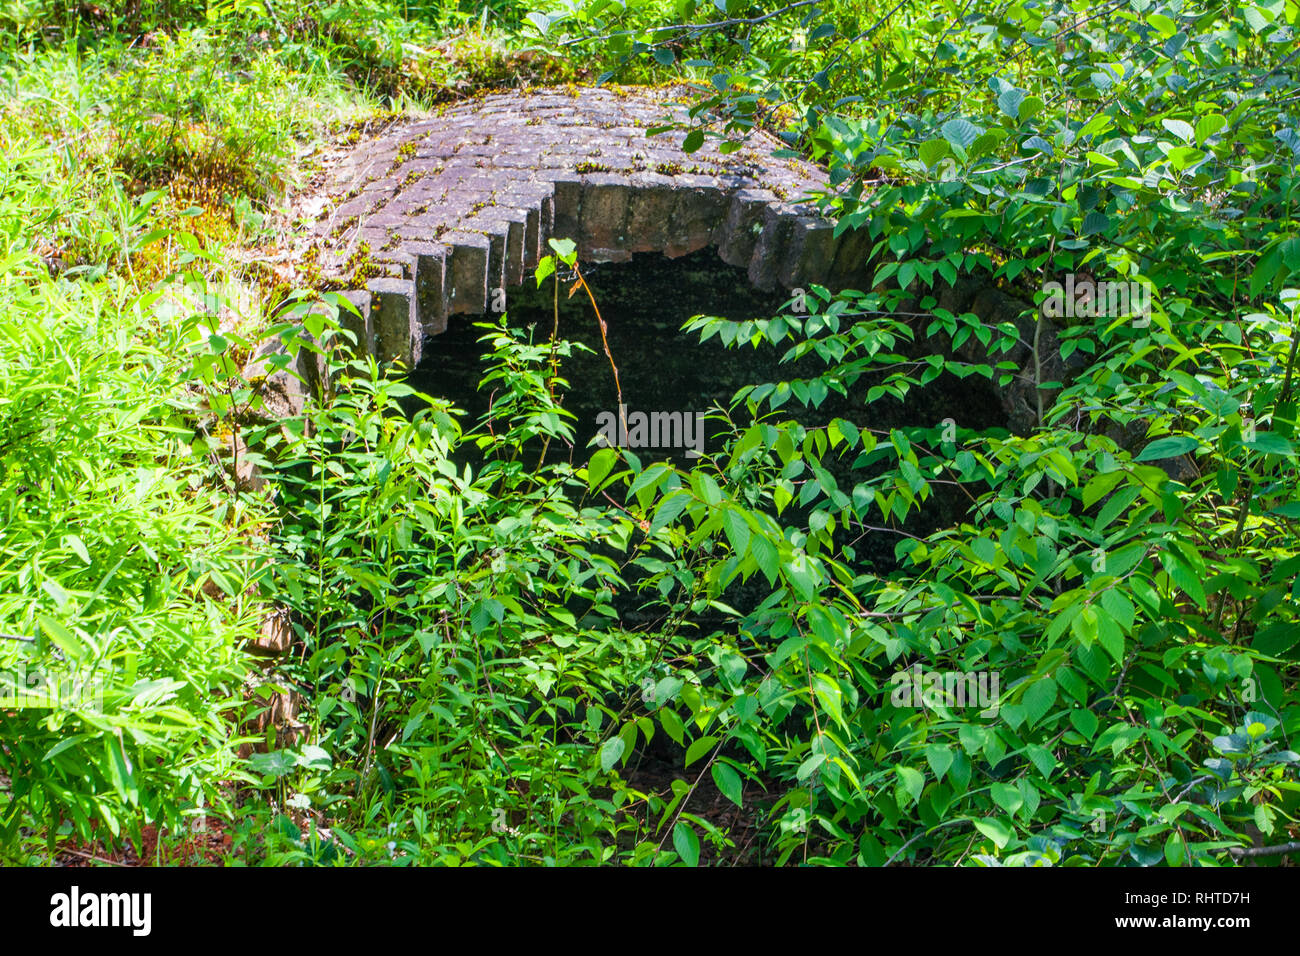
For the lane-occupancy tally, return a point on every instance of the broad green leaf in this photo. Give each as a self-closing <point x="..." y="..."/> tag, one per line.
<point x="600" y="465"/>
<point x="1179" y="128"/>
<point x="611" y="751"/>
<point x="1170" y="447"/>
<point x="699" y="748"/>
<point x="960" y="132"/>
<point x="728" y="782"/>
<point x="997" y="831"/>
<point x="933" y="150"/>
<point x="913" y="781"/>
<point x="940" y="758"/>
<point x="686" y="843"/>
<point x="1039" y="698"/>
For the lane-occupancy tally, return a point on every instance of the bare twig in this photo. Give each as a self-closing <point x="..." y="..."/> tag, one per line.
<point x="1238" y="852"/>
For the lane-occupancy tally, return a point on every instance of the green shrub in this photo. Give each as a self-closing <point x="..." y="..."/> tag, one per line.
<point x="111" y="530"/>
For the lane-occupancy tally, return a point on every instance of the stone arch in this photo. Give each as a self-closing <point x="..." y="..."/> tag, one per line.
<point x="433" y="216"/>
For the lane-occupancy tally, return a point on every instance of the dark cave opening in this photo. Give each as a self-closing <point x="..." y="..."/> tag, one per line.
<point x="663" y="369"/>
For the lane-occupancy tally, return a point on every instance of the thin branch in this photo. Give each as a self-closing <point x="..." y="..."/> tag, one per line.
<point x="1238" y="852"/>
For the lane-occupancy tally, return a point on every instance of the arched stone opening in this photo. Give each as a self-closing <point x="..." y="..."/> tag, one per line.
<point x="431" y="219"/>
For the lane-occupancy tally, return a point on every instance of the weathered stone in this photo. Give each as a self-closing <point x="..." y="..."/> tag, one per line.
<point x="568" y="203"/>
<point x="532" y="238"/>
<point x="649" y="212"/>
<point x="432" y="294"/>
<point x="769" y="250"/>
<point x="545" y="224"/>
<point x="468" y="272"/>
<point x="510" y="224"/>
<point x="283" y="382"/>
<point x="849" y="268"/>
<point x="397" y="331"/>
<point x="810" y="252"/>
<point x="602" y="215"/>
<point x="696" y="216"/>
<point x="273" y="637"/>
<point x="739" y="232"/>
<point x="497" y="233"/>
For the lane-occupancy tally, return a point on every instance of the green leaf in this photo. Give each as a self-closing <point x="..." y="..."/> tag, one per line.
<point x="1039" y="698"/>
<point x="1163" y="24"/>
<point x="63" y="638"/>
<point x="1094" y="223"/>
<point x="913" y="781"/>
<point x="1180" y="129"/>
<point x="1084" y="625"/>
<point x="960" y="132"/>
<point x="1175" y="852"/>
<point x="1184" y="577"/>
<point x="1007" y="797"/>
<point x="686" y="843"/>
<point x="699" y="748"/>
<point x="1255" y="18"/>
<point x="728" y="782"/>
<point x="1042" y="759"/>
<point x="56" y="590"/>
<point x="1100" y="486"/>
<point x="1009" y="102"/>
<point x="1170" y="447"/>
<point x="610" y="753"/>
<point x="564" y="248"/>
<point x="809" y="767"/>
<point x="1119" y="607"/>
<point x="1276" y="639"/>
<point x="1109" y="635"/>
<point x="277" y="763"/>
<point x="733" y="523"/>
<point x="600" y="465"/>
<point x="694" y="140"/>
<point x="119" y="770"/>
<point x="671" y="723"/>
<point x="1084" y="721"/>
<point x="1207" y="126"/>
<point x="997" y="831"/>
<point x="933" y="150"/>
<point x="940" y="758"/>
<point x="77" y="546"/>
<point x="1117" y="505"/>
<point x="1270" y="443"/>
<point x="766" y="556"/>
<point x="314" y="758"/>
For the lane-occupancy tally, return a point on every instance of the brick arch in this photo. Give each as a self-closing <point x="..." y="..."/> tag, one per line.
<point x="431" y="217"/>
